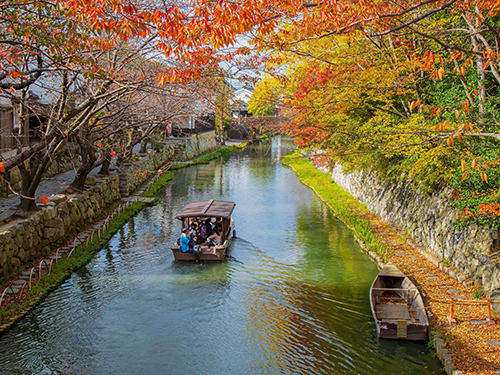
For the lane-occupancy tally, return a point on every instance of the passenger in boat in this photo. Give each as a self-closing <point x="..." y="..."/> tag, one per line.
<point x="188" y="244"/>
<point x="185" y="240"/>
<point x="194" y="230"/>
<point x="215" y="238"/>
<point x="205" y="231"/>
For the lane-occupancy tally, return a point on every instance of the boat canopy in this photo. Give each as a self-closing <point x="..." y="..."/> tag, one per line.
<point x="209" y="208"/>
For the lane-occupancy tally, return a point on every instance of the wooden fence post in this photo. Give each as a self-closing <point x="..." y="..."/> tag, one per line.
<point x="451" y="319"/>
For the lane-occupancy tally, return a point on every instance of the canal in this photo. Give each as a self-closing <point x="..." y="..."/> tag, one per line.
<point x="291" y="299"/>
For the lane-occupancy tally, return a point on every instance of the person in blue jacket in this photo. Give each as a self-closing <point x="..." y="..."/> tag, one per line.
<point x="185" y="239"/>
<point x="188" y="246"/>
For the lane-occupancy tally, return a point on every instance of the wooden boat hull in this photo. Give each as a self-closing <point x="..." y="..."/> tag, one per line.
<point x="397" y="306"/>
<point x="206" y="254"/>
<point x="389" y="330"/>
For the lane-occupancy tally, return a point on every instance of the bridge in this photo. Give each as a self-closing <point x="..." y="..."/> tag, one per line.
<point x="252" y="127"/>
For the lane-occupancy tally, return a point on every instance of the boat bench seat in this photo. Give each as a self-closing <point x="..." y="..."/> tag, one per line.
<point x="392" y="312"/>
<point x="176" y="248"/>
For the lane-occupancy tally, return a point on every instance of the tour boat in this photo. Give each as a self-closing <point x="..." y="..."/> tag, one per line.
<point x="219" y="212"/>
<point x="397" y="306"/>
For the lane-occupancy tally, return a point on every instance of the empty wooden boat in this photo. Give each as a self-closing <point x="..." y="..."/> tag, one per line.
<point x="219" y="212"/>
<point x="397" y="306"/>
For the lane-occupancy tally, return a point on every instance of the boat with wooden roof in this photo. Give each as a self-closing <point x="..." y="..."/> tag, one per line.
<point x="397" y="306"/>
<point x="219" y="212"/>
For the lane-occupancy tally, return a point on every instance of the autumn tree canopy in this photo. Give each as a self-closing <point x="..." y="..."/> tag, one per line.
<point x="408" y="89"/>
<point x="411" y="87"/>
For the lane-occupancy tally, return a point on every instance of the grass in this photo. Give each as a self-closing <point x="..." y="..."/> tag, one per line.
<point x="344" y="205"/>
<point x="217" y="154"/>
<point x="159" y="184"/>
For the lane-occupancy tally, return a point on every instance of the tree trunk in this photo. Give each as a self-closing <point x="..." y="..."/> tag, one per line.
<point x="105" y="167"/>
<point x="27" y="205"/>
<point x="30" y="179"/>
<point x="144" y="146"/>
<point x="80" y="178"/>
<point x="88" y="161"/>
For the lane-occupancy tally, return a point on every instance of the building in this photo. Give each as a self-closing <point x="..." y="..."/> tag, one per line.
<point x="241" y="99"/>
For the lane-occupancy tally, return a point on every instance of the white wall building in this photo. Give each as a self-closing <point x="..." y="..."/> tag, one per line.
<point x="241" y="99"/>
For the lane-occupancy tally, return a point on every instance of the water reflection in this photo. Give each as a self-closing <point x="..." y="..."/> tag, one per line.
<point x="291" y="299"/>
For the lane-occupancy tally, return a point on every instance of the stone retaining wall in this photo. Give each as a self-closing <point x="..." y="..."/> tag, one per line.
<point x="173" y="149"/>
<point x="200" y="143"/>
<point x="194" y="145"/>
<point x="38" y="235"/>
<point x="428" y="220"/>
<point x="130" y="179"/>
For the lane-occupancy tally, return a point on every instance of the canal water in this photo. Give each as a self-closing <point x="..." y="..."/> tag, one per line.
<point x="291" y="299"/>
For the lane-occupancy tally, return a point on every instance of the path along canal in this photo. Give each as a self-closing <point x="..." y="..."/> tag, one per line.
<point x="291" y="299"/>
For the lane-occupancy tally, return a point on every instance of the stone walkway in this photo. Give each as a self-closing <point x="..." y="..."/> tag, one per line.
<point x="438" y="283"/>
<point x="48" y="186"/>
<point x="56" y="184"/>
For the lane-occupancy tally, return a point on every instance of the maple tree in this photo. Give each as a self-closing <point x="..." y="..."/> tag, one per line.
<point x="426" y="46"/>
<point x="81" y="54"/>
<point x="410" y="89"/>
<point x="267" y="97"/>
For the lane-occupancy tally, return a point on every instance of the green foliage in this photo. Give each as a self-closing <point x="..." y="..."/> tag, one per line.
<point x="478" y="293"/>
<point x="159" y="183"/>
<point x="402" y="107"/>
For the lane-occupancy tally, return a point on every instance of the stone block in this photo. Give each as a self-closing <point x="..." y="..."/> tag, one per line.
<point x="3" y="259"/>
<point x="49" y="233"/>
<point x="14" y="249"/>
<point x="91" y="180"/>
<point x="18" y="240"/>
<point x="468" y="283"/>
<point x="15" y="262"/>
<point x="22" y="255"/>
<point x="494" y="296"/>
<point x="58" y="198"/>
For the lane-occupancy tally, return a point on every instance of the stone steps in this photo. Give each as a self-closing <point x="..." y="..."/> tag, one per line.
<point x="28" y="272"/>
<point x="13" y="290"/>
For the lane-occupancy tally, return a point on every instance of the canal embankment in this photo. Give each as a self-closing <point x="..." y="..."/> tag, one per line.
<point x="470" y="345"/>
<point x="291" y="298"/>
<point x="38" y="251"/>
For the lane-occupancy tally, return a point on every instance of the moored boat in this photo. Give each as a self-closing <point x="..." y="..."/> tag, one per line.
<point x="219" y="213"/>
<point x="397" y="306"/>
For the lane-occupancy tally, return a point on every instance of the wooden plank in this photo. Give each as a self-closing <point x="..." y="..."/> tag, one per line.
<point x="392" y="312"/>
